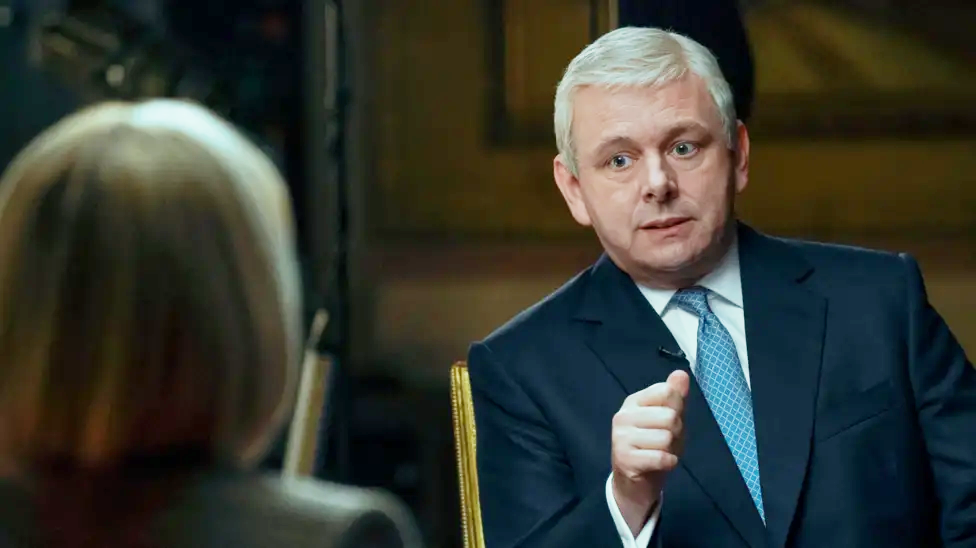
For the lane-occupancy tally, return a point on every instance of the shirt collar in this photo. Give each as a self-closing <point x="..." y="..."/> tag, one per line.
<point x="724" y="281"/>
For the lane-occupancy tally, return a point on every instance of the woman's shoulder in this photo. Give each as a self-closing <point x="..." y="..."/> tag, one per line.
<point x="265" y="510"/>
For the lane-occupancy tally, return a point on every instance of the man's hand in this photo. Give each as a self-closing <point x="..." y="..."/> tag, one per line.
<point x="647" y="439"/>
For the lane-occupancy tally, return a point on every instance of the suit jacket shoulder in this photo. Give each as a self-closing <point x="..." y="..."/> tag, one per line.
<point x="844" y="257"/>
<point x="849" y="271"/>
<point x="549" y="314"/>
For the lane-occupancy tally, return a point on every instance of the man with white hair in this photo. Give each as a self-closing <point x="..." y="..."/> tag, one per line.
<point x="702" y="384"/>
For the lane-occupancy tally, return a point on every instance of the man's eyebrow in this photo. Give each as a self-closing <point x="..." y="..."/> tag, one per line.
<point x="613" y="143"/>
<point x="683" y="127"/>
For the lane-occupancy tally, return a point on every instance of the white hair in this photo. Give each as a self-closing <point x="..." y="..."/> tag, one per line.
<point x="638" y="57"/>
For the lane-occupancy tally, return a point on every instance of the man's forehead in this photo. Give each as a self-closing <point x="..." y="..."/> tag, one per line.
<point x="604" y="114"/>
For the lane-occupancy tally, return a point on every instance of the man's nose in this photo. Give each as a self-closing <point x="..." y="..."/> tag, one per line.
<point x="658" y="181"/>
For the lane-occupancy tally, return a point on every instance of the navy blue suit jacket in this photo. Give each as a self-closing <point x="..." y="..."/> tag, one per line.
<point x="865" y="409"/>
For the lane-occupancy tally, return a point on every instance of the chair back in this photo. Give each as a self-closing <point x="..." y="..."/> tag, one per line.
<point x="464" y="442"/>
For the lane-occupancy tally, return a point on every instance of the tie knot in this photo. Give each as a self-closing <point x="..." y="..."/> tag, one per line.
<point x="693" y="299"/>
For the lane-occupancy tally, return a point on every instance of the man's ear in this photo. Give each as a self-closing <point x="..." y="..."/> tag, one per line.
<point x="569" y="187"/>
<point x="741" y="166"/>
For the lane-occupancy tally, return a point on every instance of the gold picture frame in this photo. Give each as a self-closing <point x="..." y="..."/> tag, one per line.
<point x="529" y="44"/>
<point x="850" y="95"/>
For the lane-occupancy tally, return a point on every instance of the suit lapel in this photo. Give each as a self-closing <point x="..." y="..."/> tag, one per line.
<point x="784" y="334"/>
<point x="625" y="332"/>
<point x="627" y="335"/>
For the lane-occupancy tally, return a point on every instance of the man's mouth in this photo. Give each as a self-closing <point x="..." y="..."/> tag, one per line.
<point x="665" y="223"/>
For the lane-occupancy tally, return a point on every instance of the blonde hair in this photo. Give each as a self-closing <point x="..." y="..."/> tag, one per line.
<point x="149" y="290"/>
<point x="638" y="57"/>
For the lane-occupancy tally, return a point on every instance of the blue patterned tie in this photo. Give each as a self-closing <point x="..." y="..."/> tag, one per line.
<point x="724" y="386"/>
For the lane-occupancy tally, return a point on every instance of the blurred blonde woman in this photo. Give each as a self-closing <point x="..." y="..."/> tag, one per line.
<point x="149" y="343"/>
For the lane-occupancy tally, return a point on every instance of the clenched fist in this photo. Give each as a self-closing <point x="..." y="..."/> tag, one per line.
<point x="647" y="439"/>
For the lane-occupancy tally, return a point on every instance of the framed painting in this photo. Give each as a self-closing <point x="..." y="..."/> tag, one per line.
<point x="530" y="42"/>
<point x="825" y="69"/>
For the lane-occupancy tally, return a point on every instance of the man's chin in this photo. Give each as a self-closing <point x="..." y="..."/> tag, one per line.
<point x="677" y="269"/>
<point x="672" y="257"/>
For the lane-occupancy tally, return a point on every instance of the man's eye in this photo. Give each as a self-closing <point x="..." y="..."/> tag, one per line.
<point x="619" y="161"/>
<point x="684" y="148"/>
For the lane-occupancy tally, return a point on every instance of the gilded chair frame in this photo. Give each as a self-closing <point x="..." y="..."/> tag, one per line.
<point x="462" y="409"/>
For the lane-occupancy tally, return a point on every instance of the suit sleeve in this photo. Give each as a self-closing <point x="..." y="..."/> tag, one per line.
<point x="528" y="493"/>
<point x="944" y="384"/>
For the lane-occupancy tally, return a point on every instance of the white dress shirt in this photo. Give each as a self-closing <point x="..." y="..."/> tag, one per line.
<point x="725" y="299"/>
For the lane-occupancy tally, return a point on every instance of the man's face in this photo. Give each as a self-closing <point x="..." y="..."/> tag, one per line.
<point x="657" y="180"/>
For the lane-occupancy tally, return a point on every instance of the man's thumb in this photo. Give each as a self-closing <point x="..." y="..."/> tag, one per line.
<point x="680" y="381"/>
